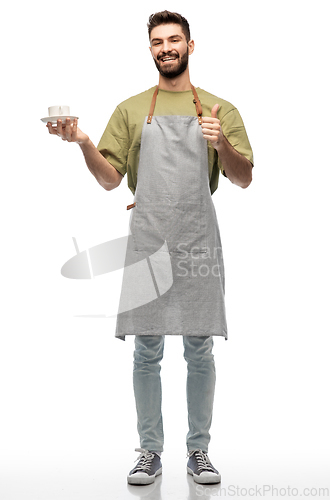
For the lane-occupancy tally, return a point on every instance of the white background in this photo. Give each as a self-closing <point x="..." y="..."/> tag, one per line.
<point x="66" y="382"/>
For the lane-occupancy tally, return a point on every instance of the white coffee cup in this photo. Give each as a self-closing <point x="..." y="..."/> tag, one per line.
<point x="59" y="111"/>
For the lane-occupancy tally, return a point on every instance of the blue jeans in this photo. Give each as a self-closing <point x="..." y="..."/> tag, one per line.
<point x="148" y="391"/>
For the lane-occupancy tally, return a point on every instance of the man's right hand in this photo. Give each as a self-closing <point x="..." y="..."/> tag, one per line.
<point x="68" y="131"/>
<point x="105" y="173"/>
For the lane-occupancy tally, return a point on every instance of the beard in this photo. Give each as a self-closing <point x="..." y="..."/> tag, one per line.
<point x="168" y="71"/>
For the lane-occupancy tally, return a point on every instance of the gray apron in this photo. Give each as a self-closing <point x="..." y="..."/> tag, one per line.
<point x="173" y="281"/>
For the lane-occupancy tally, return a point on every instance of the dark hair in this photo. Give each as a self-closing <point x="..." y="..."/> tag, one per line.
<point x="166" y="17"/>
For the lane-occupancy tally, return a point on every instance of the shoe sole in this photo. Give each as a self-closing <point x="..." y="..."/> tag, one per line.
<point x="212" y="479"/>
<point x="143" y="479"/>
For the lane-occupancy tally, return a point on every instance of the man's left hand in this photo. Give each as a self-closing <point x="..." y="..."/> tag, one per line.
<point x="211" y="128"/>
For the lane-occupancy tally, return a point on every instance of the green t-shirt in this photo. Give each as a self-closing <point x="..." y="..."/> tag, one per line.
<point x="121" y="140"/>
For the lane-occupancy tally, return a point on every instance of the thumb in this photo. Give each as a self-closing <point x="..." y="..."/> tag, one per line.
<point x="214" y="111"/>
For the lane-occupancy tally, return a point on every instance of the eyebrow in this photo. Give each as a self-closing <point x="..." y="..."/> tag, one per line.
<point x="161" y="39"/>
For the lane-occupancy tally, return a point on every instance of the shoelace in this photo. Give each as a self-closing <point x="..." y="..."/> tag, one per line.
<point x="203" y="461"/>
<point x="145" y="459"/>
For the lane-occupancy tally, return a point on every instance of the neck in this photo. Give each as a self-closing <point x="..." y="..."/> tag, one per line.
<point x="179" y="84"/>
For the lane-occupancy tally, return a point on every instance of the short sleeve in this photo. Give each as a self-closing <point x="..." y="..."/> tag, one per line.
<point x="234" y="131"/>
<point x="113" y="144"/>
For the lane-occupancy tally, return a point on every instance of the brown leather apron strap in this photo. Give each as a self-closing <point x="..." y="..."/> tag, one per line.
<point x="196" y="101"/>
<point x="198" y="105"/>
<point x="152" y="106"/>
<point x="131" y="206"/>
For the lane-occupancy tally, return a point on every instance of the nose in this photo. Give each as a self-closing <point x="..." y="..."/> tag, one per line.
<point x="167" y="46"/>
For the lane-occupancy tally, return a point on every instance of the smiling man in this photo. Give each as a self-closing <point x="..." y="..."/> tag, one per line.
<point x="170" y="64"/>
<point x="172" y="141"/>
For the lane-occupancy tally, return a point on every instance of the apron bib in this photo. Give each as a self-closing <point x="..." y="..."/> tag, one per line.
<point x="173" y="282"/>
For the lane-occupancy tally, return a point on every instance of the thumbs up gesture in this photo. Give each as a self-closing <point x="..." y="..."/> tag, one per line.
<point x="211" y="128"/>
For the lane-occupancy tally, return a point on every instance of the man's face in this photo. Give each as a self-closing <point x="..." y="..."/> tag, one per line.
<point x="170" y="50"/>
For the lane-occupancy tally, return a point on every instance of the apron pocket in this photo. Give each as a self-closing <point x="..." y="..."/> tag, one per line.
<point x="188" y="228"/>
<point x="182" y="225"/>
<point x="149" y="226"/>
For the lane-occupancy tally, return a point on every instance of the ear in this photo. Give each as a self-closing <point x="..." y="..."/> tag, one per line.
<point x="191" y="45"/>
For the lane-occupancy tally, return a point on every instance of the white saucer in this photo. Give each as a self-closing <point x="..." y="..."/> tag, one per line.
<point x="53" y="119"/>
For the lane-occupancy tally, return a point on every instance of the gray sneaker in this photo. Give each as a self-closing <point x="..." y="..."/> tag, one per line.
<point x="200" y="467"/>
<point x="148" y="467"/>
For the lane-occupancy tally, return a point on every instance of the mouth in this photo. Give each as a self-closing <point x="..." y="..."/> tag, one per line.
<point x="168" y="59"/>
